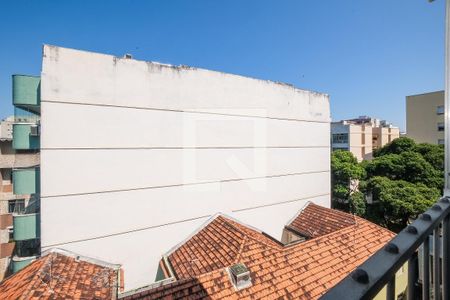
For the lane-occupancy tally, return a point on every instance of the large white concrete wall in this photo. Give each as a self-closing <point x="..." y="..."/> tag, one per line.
<point x="136" y="155"/>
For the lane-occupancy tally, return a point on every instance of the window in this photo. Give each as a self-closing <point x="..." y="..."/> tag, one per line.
<point x="5" y="174"/>
<point x="27" y="248"/>
<point x="440" y="126"/>
<point x="16" y="206"/>
<point x="440" y="110"/>
<point x="340" y="138"/>
<point x="11" y="234"/>
<point x="441" y="141"/>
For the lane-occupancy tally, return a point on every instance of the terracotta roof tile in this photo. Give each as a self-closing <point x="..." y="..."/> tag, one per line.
<point x="218" y="245"/>
<point x="59" y="276"/>
<point x="315" y="220"/>
<point x="304" y="270"/>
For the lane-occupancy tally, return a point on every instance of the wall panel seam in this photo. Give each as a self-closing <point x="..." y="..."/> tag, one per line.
<point x="176" y="222"/>
<point x="184" y="111"/>
<point x="183" y="184"/>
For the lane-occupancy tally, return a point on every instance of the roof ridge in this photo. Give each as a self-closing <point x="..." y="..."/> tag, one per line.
<point x="192" y="234"/>
<point x="238" y="256"/>
<point x="314" y="239"/>
<point x="314" y="220"/>
<point x="299" y="212"/>
<point x="333" y="210"/>
<point x="249" y="236"/>
<point x="77" y="256"/>
<point x="350" y="227"/>
<point x="35" y="276"/>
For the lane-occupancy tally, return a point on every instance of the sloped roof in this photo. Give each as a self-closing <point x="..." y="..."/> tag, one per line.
<point x="62" y="275"/>
<point x="315" y="220"/>
<point x="304" y="270"/>
<point x="216" y="246"/>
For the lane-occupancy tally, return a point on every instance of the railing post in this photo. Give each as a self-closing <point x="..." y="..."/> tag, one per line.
<point x="378" y="271"/>
<point x="426" y="269"/>
<point x="412" y="276"/>
<point x="390" y="290"/>
<point x="445" y="258"/>
<point x="436" y="264"/>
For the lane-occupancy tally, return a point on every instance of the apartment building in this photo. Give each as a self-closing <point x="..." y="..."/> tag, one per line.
<point x="13" y="201"/>
<point x="425" y="117"/>
<point x="136" y="155"/>
<point x="362" y="135"/>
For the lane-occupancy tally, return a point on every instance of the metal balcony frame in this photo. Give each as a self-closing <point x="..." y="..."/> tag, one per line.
<point x="379" y="270"/>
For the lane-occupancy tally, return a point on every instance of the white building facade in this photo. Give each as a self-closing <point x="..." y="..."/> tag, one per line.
<point x="136" y="155"/>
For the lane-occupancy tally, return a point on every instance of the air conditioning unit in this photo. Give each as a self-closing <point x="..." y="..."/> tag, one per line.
<point x="34" y="130"/>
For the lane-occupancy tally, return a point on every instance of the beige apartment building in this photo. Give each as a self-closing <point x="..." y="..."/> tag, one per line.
<point x="362" y="135"/>
<point x="425" y="117"/>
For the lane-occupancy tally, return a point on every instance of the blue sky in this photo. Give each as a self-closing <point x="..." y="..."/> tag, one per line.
<point x="368" y="55"/>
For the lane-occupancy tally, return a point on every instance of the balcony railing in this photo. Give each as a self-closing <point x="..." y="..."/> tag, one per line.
<point x="26" y="181"/>
<point x="380" y="269"/>
<point x="26" y="136"/>
<point x="18" y="263"/>
<point x="26" y="92"/>
<point x="26" y="226"/>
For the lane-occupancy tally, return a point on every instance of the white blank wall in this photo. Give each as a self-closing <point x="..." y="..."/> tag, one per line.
<point x="89" y="126"/>
<point x="96" y="215"/>
<point x="136" y="155"/>
<point x="93" y="171"/>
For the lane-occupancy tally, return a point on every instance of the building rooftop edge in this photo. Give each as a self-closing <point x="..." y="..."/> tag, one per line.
<point x="426" y="93"/>
<point x="284" y="84"/>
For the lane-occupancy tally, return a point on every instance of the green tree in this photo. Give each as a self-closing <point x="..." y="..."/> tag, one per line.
<point x="408" y="165"/>
<point x="396" y="202"/>
<point x="357" y="204"/>
<point x="397" y="146"/>
<point x="433" y="154"/>
<point x="346" y="173"/>
<point x="403" y="180"/>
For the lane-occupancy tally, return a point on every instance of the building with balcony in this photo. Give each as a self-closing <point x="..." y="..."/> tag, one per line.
<point x="13" y="199"/>
<point x="135" y="155"/>
<point x="425" y="117"/>
<point x="20" y="184"/>
<point x="362" y="135"/>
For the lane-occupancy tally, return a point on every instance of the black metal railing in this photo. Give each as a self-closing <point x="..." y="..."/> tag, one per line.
<point x="379" y="270"/>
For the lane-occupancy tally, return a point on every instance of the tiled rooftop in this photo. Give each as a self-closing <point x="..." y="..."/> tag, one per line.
<point x="304" y="270"/>
<point x="337" y="243"/>
<point x="218" y="245"/>
<point x="60" y="275"/>
<point x="315" y="220"/>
